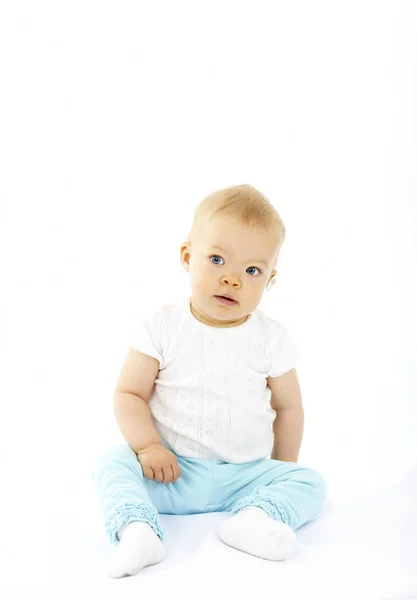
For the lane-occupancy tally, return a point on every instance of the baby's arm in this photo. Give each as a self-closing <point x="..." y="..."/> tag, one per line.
<point x="131" y="397"/>
<point x="133" y="416"/>
<point x="288" y="426"/>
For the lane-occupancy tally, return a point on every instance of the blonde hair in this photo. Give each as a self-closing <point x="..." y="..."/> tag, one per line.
<point x="245" y="204"/>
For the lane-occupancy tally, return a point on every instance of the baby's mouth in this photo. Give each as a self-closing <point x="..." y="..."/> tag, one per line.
<point x="226" y="301"/>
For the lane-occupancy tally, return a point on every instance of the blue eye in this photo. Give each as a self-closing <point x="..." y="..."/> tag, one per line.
<point x="216" y="256"/>
<point x="218" y="263"/>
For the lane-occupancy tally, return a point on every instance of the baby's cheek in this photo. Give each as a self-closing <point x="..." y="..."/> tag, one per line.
<point x="204" y="273"/>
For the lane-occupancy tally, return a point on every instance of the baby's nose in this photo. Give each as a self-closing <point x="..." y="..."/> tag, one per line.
<point x="231" y="280"/>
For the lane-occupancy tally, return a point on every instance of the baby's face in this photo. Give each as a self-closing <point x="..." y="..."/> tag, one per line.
<point x="228" y="258"/>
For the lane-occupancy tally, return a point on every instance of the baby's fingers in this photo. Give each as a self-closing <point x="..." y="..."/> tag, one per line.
<point x="168" y="474"/>
<point x="176" y="470"/>
<point x="159" y="474"/>
<point x="148" y="472"/>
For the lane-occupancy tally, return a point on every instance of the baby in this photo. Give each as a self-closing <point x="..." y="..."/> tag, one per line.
<point x="209" y="402"/>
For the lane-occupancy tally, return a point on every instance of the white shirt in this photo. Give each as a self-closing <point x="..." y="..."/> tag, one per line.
<point x="211" y="399"/>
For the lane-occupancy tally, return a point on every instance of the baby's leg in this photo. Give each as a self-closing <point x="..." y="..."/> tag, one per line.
<point x="139" y="547"/>
<point x="271" y="499"/>
<point x="253" y="531"/>
<point x="131" y="519"/>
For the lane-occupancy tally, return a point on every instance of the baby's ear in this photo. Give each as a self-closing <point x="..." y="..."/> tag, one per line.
<point x="271" y="281"/>
<point x="185" y="250"/>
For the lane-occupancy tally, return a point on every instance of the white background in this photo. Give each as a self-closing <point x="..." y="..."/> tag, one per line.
<point x="116" y="120"/>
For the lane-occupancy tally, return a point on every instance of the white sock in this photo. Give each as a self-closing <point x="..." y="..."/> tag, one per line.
<point x="139" y="547"/>
<point x="253" y="531"/>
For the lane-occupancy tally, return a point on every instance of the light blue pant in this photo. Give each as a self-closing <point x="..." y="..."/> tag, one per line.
<point x="286" y="491"/>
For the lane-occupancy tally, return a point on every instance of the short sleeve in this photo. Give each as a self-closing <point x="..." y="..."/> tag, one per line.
<point x="283" y="349"/>
<point x="147" y="336"/>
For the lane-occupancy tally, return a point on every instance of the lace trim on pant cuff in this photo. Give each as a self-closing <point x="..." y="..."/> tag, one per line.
<point x="272" y="508"/>
<point x="128" y="512"/>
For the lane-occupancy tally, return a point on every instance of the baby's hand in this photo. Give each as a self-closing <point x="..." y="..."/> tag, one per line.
<point x="159" y="463"/>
